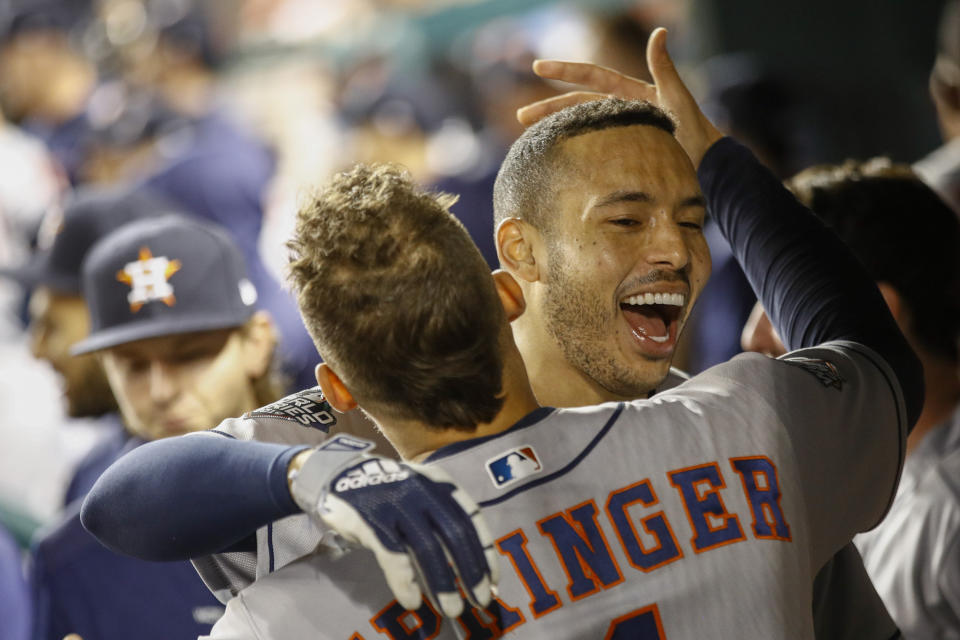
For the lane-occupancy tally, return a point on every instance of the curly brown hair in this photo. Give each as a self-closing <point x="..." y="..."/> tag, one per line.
<point x="398" y="299"/>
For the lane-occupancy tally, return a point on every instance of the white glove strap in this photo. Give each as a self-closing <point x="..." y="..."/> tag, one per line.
<point x="309" y="484"/>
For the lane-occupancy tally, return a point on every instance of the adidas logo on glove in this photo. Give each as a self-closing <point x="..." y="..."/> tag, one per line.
<point x="371" y="473"/>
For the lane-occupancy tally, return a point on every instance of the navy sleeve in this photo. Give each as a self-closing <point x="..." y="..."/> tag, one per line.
<point x="189" y="496"/>
<point x="812" y="287"/>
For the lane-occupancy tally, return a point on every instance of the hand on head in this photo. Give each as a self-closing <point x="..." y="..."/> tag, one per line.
<point x="694" y="132"/>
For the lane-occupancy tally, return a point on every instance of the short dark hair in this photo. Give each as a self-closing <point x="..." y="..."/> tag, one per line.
<point x="902" y="233"/>
<point x="524" y="183"/>
<point x="398" y="299"/>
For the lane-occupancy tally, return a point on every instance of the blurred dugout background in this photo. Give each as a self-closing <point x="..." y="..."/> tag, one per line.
<point x="432" y="84"/>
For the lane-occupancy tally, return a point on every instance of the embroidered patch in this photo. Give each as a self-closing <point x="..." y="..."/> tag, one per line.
<point x="307" y="407"/>
<point x="148" y="278"/>
<point x="513" y="465"/>
<point x="825" y="371"/>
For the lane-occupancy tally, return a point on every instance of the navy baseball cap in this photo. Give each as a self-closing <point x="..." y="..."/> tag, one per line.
<point x="163" y="276"/>
<point x="20" y="16"/>
<point x="90" y="214"/>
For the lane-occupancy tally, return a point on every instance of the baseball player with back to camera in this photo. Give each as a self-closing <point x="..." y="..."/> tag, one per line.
<point x="577" y="343"/>
<point x="687" y="512"/>
<point x="599" y="359"/>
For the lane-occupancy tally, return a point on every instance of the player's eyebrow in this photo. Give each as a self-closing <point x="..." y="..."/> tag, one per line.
<point x="624" y="196"/>
<point x="617" y="197"/>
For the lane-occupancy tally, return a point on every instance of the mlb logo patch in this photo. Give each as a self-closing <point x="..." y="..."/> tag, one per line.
<point x="513" y="465"/>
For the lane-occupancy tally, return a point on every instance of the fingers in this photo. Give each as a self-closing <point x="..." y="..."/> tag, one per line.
<point x="490" y="554"/>
<point x="694" y="132"/>
<point x="669" y="84"/>
<point x="397" y="568"/>
<point x="538" y="110"/>
<point x="433" y="561"/>
<point x="401" y="577"/>
<point x="601" y="81"/>
<point x="483" y="536"/>
<point x="658" y="58"/>
<point x="592" y="76"/>
<point x="466" y="540"/>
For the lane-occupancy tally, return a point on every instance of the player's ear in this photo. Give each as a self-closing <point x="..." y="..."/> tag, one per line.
<point x="333" y="389"/>
<point x="516" y="244"/>
<point x="895" y="303"/>
<point x="511" y="295"/>
<point x="759" y="335"/>
<point x="259" y="342"/>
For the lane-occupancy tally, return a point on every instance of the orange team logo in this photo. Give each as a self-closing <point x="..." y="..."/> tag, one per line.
<point x="147" y="278"/>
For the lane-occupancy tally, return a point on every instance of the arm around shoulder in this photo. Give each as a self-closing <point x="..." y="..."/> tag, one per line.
<point x="211" y="491"/>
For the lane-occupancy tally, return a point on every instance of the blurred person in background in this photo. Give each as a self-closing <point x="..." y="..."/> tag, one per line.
<point x="500" y="82"/>
<point x="46" y="78"/>
<point x="941" y="169"/>
<point x="59" y="317"/>
<point x="388" y="114"/>
<point x="29" y="186"/>
<point x="209" y="165"/>
<point x="912" y="555"/>
<point x="173" y="323"/>
<point x="129" y="128"/>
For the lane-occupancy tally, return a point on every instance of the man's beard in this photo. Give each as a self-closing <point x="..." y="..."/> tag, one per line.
<point x="583" y="327"/>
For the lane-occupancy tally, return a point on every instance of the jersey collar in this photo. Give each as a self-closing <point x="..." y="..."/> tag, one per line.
<point x="528" y="420"/>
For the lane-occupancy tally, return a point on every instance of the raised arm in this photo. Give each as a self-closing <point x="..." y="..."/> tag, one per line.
<point x="811" y="285"/>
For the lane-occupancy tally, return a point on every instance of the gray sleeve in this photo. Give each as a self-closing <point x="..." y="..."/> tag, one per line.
<point x="844" y="417"/>
<point x="225" y="574"/>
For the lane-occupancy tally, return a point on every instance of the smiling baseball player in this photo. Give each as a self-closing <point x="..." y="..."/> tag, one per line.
<point x="732" y="477"/>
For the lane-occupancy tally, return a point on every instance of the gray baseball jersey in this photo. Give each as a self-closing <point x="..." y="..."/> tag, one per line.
<point x="913" y="557"/>
<point x="738" y="486"/>
<point x="302" y="418"/>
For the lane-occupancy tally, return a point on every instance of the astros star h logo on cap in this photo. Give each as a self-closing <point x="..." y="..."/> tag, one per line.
<point x="148" y="278"/>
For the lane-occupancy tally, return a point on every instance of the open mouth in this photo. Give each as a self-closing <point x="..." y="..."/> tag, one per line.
<point x="654" y="317"/>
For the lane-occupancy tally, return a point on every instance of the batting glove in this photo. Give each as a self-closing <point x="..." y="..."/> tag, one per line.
<point x="412" y="517"/>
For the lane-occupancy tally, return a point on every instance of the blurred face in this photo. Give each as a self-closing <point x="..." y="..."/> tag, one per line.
<point x="29" y="65"/>
<point x="173" y="385"/>
<point x="625" y="255"/>
<point x="57" y="322"/>
<point x="759" y="335"/>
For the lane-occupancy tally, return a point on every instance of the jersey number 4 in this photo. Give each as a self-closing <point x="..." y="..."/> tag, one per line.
<point x="642" y="624"/>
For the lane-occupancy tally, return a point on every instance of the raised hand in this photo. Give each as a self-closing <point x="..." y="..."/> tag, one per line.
<point x="412" y="517"/>
<point x="694" y="132"/>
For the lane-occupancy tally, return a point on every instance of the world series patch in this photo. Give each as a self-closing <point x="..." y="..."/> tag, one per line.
<point x="307" y="407"/>
<point x="823" y="370"/>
